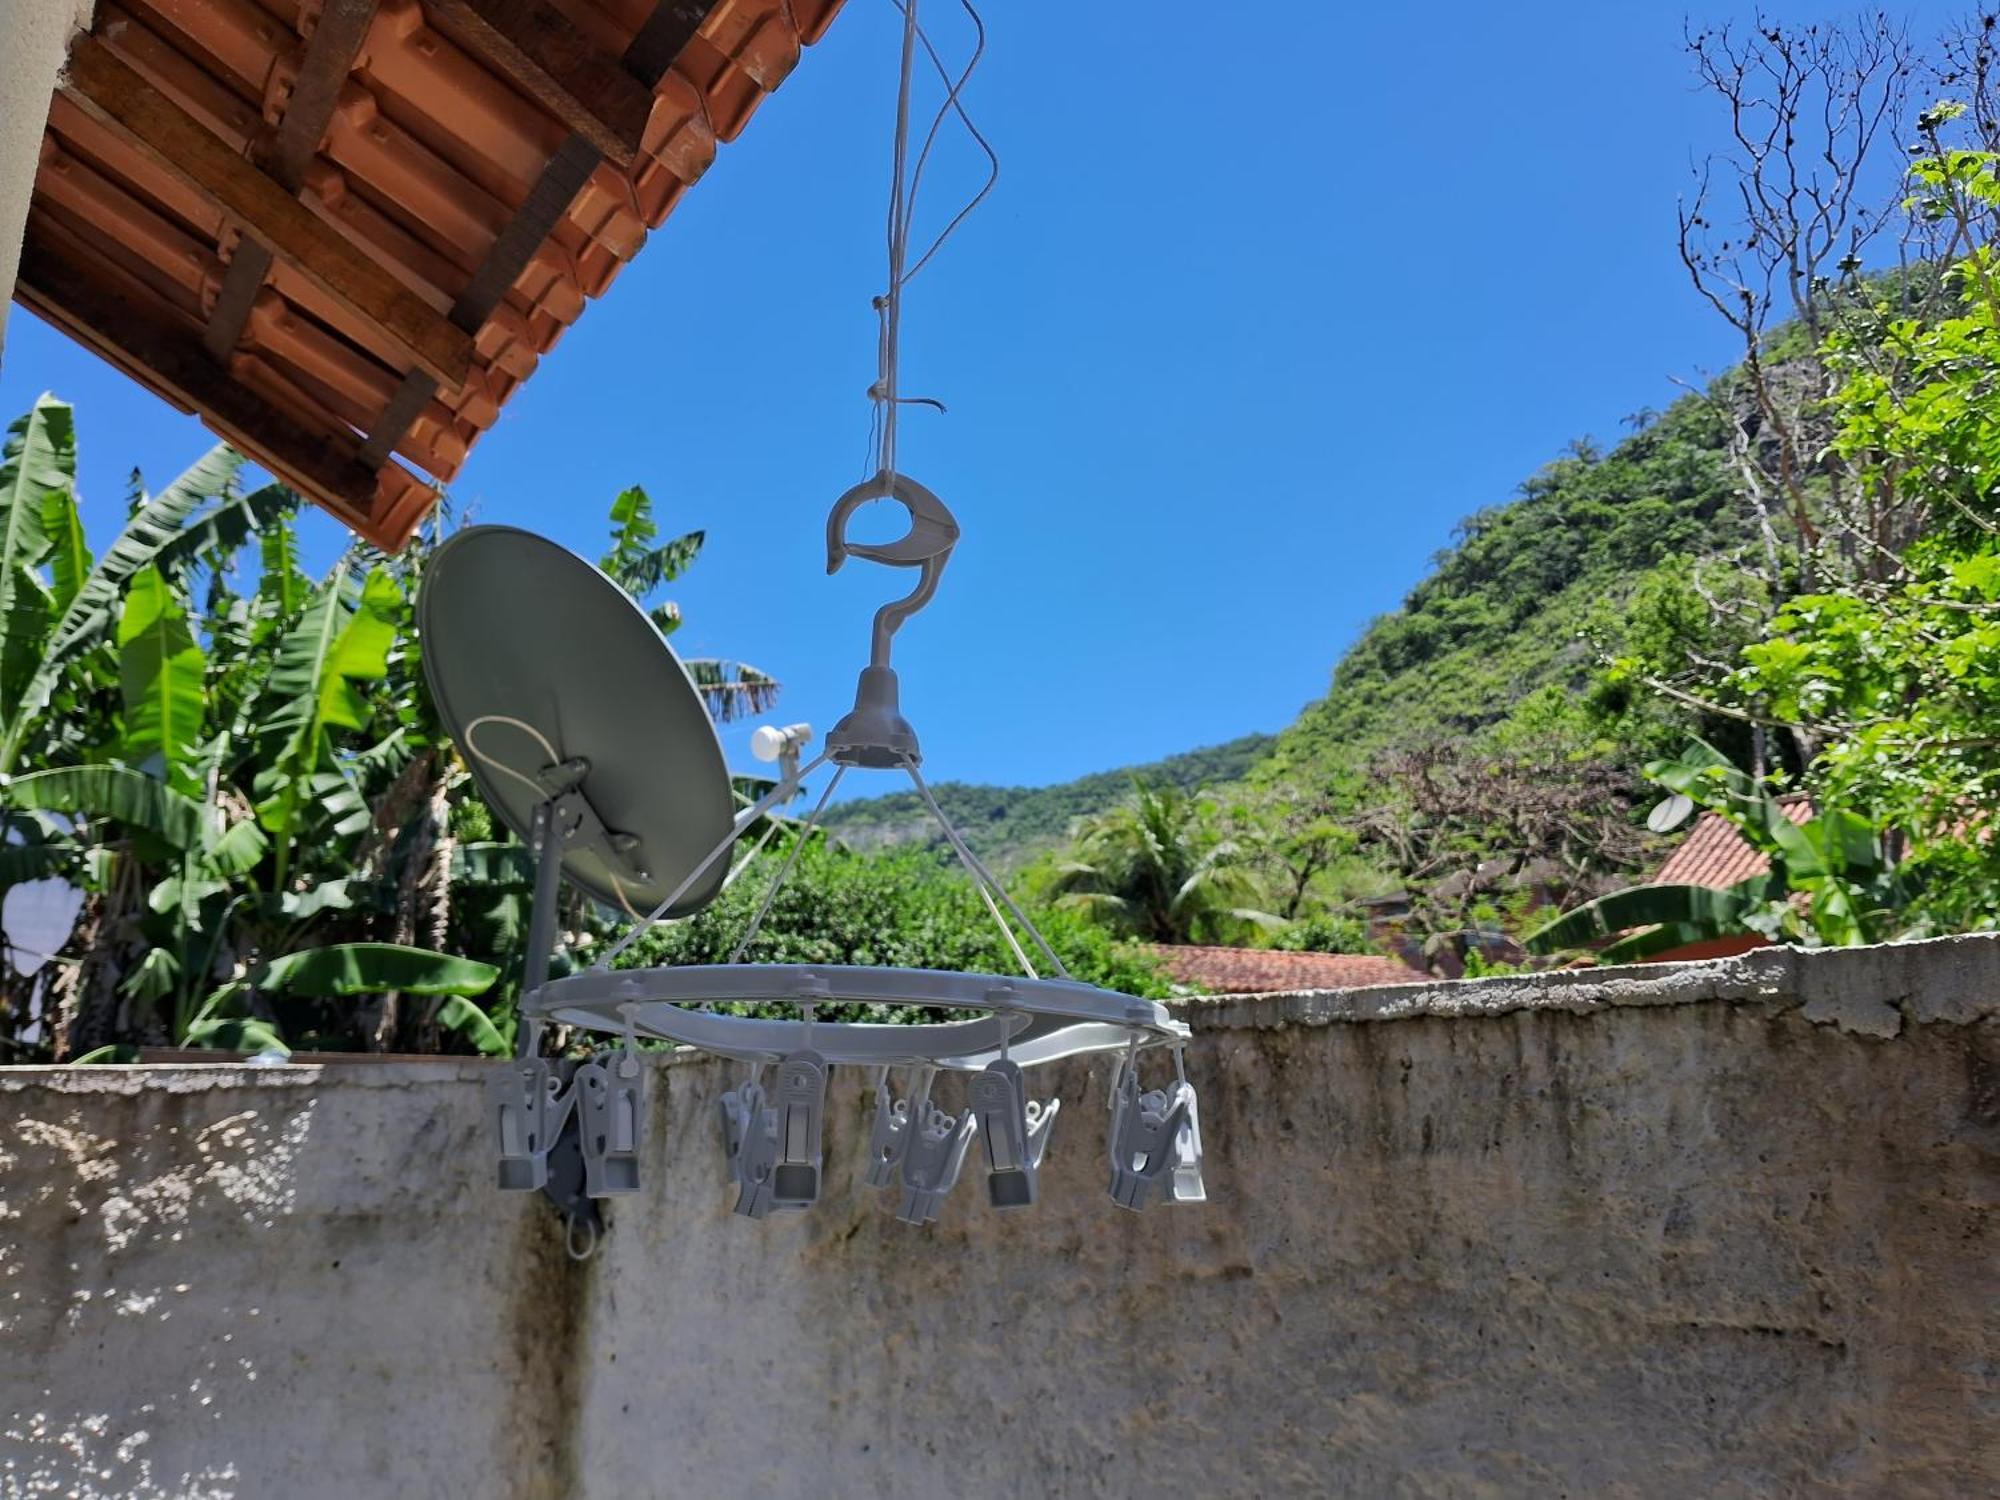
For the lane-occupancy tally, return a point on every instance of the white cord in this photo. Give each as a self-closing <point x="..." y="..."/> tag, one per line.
<point x="770" y="827"/>
<point x="540" y="791"/>
<point x="1020" y="954"/>
<point x="902" y="211"/>
<point x="951" y="105"/>
<point x="472" y="744"/>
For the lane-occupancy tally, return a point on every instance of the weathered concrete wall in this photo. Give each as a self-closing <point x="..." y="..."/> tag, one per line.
<point x="34" y="39"/>
<point x="1724" y="1231"/>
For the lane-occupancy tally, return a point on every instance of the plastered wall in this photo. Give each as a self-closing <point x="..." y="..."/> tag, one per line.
<point x="1718" y="1230"/>
<point x="34" y="37"/>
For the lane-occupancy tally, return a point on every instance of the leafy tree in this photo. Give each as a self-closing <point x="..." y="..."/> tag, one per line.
<point x="1832" y="879"/>
<point x="1158" y="868"/>
<point x="901" y="908"/>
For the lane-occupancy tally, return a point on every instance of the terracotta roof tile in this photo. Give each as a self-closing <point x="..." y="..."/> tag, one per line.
<point x="412" y="143"/>
<point x="1715" y="855"/>
<point x="1265" y="971"/>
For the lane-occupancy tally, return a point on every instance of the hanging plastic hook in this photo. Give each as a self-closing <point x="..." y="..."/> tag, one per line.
<point x="927" y="545"/>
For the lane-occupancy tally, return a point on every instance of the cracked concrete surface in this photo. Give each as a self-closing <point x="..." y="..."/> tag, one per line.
<point x="1722" y="1230"/>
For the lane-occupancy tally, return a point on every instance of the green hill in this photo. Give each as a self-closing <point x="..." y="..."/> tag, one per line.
<point x="1513" y="608"/>
<point x="1008" y="824"/>
<point x="1496" y="653"/>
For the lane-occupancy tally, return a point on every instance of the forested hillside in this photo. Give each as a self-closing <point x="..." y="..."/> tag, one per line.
<point x="1009" y="824"/>
<point x="1501" y="640"/>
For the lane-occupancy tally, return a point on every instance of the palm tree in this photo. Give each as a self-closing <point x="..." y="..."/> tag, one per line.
<point x="1156" y="868"/>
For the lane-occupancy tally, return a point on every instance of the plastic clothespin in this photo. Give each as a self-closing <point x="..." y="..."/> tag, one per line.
<point x="611" y="1106"/>
<point x="750" y="1135"/>
<point x="1144" y="1132"/>
<point x="932" y="1160"/>
<point x="1016" y="1131"/>
<point x="1187" y="1185"/>
<point x="522" y="1100"/>
<point x="888" y="1137"/>
<point x="799" y="1104"/>
<point x="611" y="1098"/>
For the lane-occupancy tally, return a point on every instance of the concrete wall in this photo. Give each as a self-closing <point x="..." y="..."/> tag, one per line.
<point x="1725" y="1230"/>
<point x="34" y="39"/>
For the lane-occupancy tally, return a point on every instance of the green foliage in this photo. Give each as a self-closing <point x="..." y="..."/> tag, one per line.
<point x="1831" y="881"/>
<point x="901" y="908"/>
<point x="1160" y="867"/>
<point x="160" y="672"/>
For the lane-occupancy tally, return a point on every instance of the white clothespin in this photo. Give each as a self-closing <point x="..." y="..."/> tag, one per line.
<point x="890" y="1133"/>
<point x="1144" y="1132"/>
<point x="750" y="1137"/>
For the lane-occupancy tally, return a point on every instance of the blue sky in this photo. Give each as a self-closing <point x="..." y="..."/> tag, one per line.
<point x="1254" y="316"/>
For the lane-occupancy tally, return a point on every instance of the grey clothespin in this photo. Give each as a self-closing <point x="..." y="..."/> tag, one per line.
<point x="750" y="1135"/>
<point x="1144" y="1131"/>
<point x="799" y="1103"/>
<point x="932" y="1159"/>
<point x="611" y="1096"/>
<point x="1016" y="1132"/>
<point x="611" y="1101"/>
<point x="888" y="1136"/>
<point x="521" y="1100"/>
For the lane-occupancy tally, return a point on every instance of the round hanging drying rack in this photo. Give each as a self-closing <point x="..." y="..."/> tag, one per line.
<point x="1033" y="1021"/>
<point x="591" y="741"/>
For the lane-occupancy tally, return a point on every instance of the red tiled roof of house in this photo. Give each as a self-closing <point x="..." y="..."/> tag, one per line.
<point x="1265" y="971"/>
<point x="1714" y="854"/>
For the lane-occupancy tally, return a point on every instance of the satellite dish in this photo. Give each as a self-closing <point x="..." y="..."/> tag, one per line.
<point x="553" y="681"/>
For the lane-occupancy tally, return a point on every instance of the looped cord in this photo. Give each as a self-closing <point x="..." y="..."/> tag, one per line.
<point x="885" y="393"/>
<point x="541" y="795"/>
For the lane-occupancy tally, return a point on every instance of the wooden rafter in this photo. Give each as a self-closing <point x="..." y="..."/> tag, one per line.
<point x="113" y="314"/>
<point x="329" y="57"/>
<point x="546" y="202"/>
<point x="548" y="59"/>
<point x="671" y="26"/>
<point x="111" y="91"/>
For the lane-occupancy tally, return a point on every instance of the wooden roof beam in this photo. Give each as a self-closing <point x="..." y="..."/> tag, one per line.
<point x="118" y="319"/>
<point x="329" y="58"/>
<point x="113" y="92"/>
<point x="547" y="58"/>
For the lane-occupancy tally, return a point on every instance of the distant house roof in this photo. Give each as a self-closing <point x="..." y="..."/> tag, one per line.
<point x="1265" y="971"/>
<point x="346" y="231"/>
<point x="1714" y="854"/>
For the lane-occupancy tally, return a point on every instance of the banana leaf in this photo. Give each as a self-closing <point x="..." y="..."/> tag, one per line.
<point x="373" y="968"/>
<point x="1703" y="911"/>
<point x="116" y="794"/>
<point x="160" y="674"/>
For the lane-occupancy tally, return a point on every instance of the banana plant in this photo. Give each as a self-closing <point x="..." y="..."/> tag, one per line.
<point x="248" y="788"/>
<point x="1831" y="881"/>
<point x="49" y="630"/>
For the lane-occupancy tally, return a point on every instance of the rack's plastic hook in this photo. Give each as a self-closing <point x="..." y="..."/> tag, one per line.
<point x="927" y="545"/>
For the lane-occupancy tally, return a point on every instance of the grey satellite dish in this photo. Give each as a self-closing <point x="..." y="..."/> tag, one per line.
<point x="566" y="701"/>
